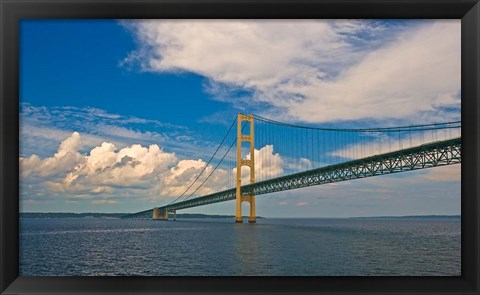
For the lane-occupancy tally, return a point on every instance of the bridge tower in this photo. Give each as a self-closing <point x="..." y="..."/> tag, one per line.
<point x="245" y="162"/>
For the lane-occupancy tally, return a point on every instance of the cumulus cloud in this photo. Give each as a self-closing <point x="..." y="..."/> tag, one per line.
<point x="268" y="164"/>
<point x="65" y="159"/>
<point x="106" y="174"/>
<point x="313" y="71"/>
<point x="106" y="171"/>
<point x="301" y="164"/>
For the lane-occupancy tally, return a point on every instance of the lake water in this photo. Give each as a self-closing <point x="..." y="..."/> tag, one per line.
<point x="218" y="247"/>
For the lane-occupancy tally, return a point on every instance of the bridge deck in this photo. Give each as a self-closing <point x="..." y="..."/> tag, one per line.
<point x="439" y="153"/>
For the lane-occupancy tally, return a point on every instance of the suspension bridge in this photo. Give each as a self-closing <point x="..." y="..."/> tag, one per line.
<point x="262" y="156"/>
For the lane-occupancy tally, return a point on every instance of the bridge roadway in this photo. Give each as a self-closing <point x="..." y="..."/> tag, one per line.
<point x="438" y="153"/>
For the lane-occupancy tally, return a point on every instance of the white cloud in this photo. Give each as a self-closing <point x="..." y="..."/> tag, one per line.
<point x="418" y="73"/>
<point x="297" y="165"/>
<point x="65" y="159"/>
<point x="314" y="71"/>
<point x="107" y="171"/>
<point x="268" y="164"/>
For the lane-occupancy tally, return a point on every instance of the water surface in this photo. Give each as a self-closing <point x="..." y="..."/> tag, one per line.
<point x="219" y="247"/>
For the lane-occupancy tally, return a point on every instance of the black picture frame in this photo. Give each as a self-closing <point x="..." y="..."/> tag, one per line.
<point x="12" y="11"/>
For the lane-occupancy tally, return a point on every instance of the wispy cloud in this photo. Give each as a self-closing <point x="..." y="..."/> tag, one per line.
<point x="43" y="128"/>
<point x="314" y="71"/>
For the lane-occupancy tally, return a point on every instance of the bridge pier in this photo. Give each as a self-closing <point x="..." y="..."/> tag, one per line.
<point x="252" y="218"/>
<point x="159" y="214"/>
<point x="156" y="213"/>
<point x="238" y="214"/>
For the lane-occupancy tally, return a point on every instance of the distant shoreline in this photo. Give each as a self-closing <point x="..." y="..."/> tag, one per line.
<point x="412" y="216"/>
<point x="111" y="215"/>
<point x="193" y="215"/>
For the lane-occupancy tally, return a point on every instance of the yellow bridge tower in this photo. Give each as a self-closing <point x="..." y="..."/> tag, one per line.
<point x="245" y="162"/>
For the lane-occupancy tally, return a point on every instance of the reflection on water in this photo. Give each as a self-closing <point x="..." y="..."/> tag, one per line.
<point x="325" y="247"/>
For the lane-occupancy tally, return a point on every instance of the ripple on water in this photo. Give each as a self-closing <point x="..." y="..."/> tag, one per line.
<point x="324" y="247"/>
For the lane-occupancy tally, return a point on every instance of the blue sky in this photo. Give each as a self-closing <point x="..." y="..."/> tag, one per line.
<point x="81" y="60"/>
<point x="163" y="93"/>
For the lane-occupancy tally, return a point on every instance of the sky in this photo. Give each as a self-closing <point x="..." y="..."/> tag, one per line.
<point x="121" y="115"/>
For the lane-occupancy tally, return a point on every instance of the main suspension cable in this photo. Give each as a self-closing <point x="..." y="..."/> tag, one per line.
<point x="214" y="168"/>
<point x="209" y="161"/>
<point x="432" y="126"/>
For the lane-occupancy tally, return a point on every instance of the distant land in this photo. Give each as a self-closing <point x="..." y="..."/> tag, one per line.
<point x="69" y="215"/>
<point x="110" y="215"/>
<point x="415" y="216"/>
<point x="191" y="215"/>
